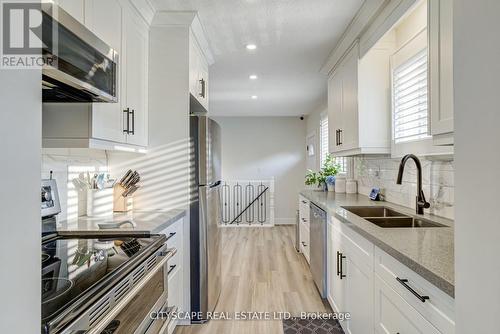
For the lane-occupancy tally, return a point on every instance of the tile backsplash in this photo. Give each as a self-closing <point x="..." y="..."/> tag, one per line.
<point x="437" y="178"/>
<point x="66" y="165"/>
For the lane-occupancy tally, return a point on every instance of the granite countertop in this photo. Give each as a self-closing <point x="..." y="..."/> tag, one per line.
<point x="427" y="251"/>
<point x="144" y="222"/>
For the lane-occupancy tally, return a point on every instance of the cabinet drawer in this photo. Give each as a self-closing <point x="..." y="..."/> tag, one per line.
<point x="394" y="315"/>
<point x="439" y="309"/>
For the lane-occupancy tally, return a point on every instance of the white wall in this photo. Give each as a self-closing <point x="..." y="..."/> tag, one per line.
<point x="20" y="134"/>
<point x="255" y="148"/>
<point x="477" y="120"/>
<point x="66" y="164"/>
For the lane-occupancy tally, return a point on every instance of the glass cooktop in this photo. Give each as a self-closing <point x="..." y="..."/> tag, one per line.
<point x="72" y="267"/>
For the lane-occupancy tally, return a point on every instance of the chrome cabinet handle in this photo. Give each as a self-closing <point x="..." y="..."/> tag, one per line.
<point x="404" y="282"/>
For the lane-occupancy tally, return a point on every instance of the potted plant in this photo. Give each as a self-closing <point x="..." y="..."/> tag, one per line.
<point x="325" y="178"/>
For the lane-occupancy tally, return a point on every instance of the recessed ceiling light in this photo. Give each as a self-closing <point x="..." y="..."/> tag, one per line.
<point x="251" y="46"/>
<point x="254" y="97"/>
<point x="253" y="77"/>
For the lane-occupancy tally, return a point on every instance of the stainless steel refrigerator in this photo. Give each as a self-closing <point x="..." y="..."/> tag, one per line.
<point x="205" y="216"/>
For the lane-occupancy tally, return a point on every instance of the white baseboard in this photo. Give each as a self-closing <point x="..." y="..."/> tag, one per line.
<point x="284" y="221"/>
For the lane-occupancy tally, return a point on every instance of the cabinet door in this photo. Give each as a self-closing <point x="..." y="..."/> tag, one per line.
<point x="74" y="7"/>
<point x="135" y="45"/>
<point x="203" y="82"/>
<point x="394" y="315"/>
<point x="440" y="16"/>
<point x="104" y="18"/>
<point x="194" y="66"/>
<point x="337" y="289"/>
<point x="359" y="293"/>
<point x="334" y="111"/>
<point x="349" y="135"/>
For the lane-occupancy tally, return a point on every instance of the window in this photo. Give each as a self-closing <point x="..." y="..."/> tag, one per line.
<point x="410" y="115"/>
<point x="323" y="138"/>
<point x="323" y="130"/>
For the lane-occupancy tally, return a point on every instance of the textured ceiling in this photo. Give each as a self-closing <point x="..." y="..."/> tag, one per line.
<point x="293" y="38"/>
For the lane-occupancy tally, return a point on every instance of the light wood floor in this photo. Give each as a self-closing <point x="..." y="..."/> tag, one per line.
<point x="261" y="272"/>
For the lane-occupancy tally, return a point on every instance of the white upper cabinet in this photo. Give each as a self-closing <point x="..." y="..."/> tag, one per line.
<point x="108" y="118"/>
<point x="198" y="72"/>
<point x="359" y="103"/>
<point x="440" y="25"/>
<point x="125" y="122"/>
<point x="135" y="55"/>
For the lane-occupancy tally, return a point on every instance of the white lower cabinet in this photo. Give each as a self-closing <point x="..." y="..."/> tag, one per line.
<point x="394" y="315"/>
<point x="304" y="240"/>
<point x="177" y="270"/>
<point x="351" y="278"/>
<point x="363" y="281"/>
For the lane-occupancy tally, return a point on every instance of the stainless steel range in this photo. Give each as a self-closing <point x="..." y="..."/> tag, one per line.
<point x="105" y="284"/>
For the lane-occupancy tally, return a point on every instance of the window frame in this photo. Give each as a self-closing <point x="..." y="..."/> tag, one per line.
<point x="424" y="146"/>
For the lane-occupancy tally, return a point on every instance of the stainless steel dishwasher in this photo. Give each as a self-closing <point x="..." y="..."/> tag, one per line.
<point x="318" y="247"/>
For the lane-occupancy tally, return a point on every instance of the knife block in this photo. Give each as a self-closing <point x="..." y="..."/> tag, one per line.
<point x="120" y="203"/>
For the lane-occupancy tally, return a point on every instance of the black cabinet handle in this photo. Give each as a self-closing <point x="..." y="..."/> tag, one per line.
<point x="127" y="113"/>
<point x="133" y="122"/>
<point x="203" y="85"/>
<point x="341" y="267"/>
<point x="337" y="137"/>
<point x="304" y="244"/>
<point x="338" y="263"/>
<point x="404" y="282"/>
<point x="171" y="268"/>
<point x="340" y="136"/>
<point x="171" y="234"/>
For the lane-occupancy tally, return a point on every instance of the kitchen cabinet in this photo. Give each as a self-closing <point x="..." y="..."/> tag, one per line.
<point x="304" y="227"/>
<point x="198" y="72"/>
<point x="363" y="280"/>
<point x="135" y="44"/>
<point x="123" y="124"/>
<point x="394" y="315"/>
<point x="440" y="25"/>
<point x="359" y="103"/>
<point x="351" y="278"/>
<point x="178" y="274"/>
<point x="108" y="118"/>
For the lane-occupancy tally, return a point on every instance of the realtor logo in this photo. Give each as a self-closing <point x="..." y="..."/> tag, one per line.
<point x="23" y="29"/>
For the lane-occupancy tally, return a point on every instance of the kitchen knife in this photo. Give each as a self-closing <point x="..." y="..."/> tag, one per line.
<point x="127" y="181"/>
<point x="127" y="174"/>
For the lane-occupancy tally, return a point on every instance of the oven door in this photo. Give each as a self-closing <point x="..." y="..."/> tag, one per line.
<point x="129" y="307"/>
<point x="138" y="315"/>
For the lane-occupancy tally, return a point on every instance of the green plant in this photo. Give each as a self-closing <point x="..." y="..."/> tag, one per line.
<point x="330" y="168"/>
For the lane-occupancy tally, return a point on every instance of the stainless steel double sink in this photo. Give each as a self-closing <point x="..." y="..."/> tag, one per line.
<point x="388" y="218"/>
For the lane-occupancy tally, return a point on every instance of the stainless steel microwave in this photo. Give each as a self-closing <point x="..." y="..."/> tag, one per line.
<point x="85" y="68"/>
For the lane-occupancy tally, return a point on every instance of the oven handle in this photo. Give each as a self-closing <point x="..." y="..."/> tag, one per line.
<point x="167" y="255"/>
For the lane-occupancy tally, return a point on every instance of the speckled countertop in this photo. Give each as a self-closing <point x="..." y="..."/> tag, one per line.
<point x="145" y="222"/>
<point x="427" y="251"/>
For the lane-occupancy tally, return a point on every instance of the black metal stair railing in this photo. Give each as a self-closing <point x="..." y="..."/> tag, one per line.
<point x="257" y="203"/>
